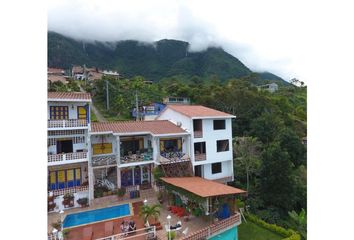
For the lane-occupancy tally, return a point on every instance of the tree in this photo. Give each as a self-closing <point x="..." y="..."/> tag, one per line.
<point x="147" y="211"/>
<point x="298" y="221"/>
<point x="276" y="182"/>
<point x="266" y="127"/>
<point x="247" y="151"/>
<point x="291" y="142"/>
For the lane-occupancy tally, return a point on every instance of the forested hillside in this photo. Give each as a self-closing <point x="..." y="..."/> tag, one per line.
<point x="154" y="61"/>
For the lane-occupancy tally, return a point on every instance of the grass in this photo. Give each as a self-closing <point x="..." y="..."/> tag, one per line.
<point x="250" y="230"/>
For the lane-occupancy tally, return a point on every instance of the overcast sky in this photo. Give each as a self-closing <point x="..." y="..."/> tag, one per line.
<point x="266" y="36"/>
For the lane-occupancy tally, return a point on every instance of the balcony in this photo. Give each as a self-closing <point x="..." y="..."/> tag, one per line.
<point x="139" y="156"/>
<point x="174" y="156"/>
<point x="199" y="156"/>
<point x="104" y="160"/>
<point x="69" y="123"/>
<point x="67" y="158"/>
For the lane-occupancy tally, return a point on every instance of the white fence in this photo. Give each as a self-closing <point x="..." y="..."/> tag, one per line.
<point x="70" y="123"/>
<point x="67" y="157"/>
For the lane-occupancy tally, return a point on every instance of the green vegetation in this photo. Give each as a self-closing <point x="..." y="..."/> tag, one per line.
<point x="147" y="211"/>
<point x="93" y="116"/>
<point x="154" y="61"/>
<point x="71" y="86"/>
<point x="250" y="230"/>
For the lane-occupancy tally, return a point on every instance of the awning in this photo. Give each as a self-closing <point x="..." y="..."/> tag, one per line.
<point x="202" y="187"/>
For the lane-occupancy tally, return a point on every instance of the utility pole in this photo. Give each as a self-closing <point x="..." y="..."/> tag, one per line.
<point x="107" y="95"/>
<point x="136" y="105"/>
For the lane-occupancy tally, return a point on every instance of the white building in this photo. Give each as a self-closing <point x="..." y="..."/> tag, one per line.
<point x="211" y="139"/>
<point x="272" y="87"/>
<point x="84" y="157"/>
<point x="68" y="155"/>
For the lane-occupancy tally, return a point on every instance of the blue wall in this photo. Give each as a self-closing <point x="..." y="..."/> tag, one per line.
<point x="230" y="234"/>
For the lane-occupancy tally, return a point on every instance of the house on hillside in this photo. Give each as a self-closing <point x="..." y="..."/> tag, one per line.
<point x="111" y="73"/>
<point x="176" y="100"/>
<point x="56" y="75"/>
<point x="68" y="147"/>
<point x="272" y="87"/>
<point x="77" y="72"/>
<point x="149" y="112"/>
<point x="211" y="139"/>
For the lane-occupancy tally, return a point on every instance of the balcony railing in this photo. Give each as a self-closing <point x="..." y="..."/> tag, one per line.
<point x="63" y="191"/>
<point x="139" y="156"/>
<point x="216" y="228"/>
<point x="104" y="160"/>
<point x="67" y="157"/>
<point x="174" y="156"/>
<point x="198" y="134"/>
<point x="69" y="123"/>
<point x="200" y="156"/>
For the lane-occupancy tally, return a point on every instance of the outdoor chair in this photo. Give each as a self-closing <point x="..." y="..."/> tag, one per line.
<point x="185" y="232"/>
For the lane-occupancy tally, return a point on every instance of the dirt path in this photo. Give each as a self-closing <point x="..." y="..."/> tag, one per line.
<point x="99" y="116"/>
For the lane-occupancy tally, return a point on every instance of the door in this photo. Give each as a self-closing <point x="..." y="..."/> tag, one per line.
<point x="77" y="176"/>
<point x="61" y="179"/>
<point x="137" y="176"/>
<point x="59" y="112"/>
<point x="65" y="146"/>
<point x="70" y="177"/>
<point x="126" y="177"/>
<point x="81" y="113"/>
<point x="53" y="184"/>
<point x="198" y="171"/>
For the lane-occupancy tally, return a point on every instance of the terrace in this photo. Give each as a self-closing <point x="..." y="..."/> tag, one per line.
<point x="67" y="124"/>
<point x="138" y="156"/>
<point x="63" y="158"/>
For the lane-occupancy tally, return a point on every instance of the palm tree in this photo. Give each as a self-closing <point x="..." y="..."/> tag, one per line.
<point x="146" y="211"/>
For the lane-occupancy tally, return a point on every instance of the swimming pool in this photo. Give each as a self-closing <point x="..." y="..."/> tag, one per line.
<point x="97" y="215"/>
<point x="230" y="234"/>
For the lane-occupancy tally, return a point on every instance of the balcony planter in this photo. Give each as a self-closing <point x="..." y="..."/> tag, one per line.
<point x="68" y="200"/>
<point x="83" y="202"/>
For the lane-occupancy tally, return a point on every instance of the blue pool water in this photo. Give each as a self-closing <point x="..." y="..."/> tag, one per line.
<point x="77" y="219"/>
<point x="230" y="234"/>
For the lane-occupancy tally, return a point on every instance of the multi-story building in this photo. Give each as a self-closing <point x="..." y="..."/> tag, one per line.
<point x="211" y="139"/>
<point x="85" y="157"/>
<point x="68" y="144"/>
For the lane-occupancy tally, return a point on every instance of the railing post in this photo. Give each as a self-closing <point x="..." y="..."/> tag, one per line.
<point x="64" y="157"/>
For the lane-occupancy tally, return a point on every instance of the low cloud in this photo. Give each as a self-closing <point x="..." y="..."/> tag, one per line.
<point x="240" y="30"/>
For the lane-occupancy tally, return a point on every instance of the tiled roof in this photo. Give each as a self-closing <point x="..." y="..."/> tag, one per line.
<point x="202" y="187"/>
<point x="154" y="127"/>
<point x="197" y="111"/>
<point x="56" y="78"/>
<point x="69" y="96"/>
<point x="55" y="71"/>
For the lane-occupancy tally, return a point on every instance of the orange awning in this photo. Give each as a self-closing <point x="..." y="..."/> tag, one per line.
<point x="202" y="187"/>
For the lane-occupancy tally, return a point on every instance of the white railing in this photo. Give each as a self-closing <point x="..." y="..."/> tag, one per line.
<point x="149" y="233"/>
<point x="69" y="190"/>
<point x="67" y="157"/>
<point x="199" y="156"/>
<point x="70" y="123"/>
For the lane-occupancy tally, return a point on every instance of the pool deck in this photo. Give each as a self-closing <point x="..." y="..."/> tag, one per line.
<point x="76" y="233"/>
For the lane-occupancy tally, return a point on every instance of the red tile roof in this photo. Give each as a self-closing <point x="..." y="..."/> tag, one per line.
<point x="56" y="78"/>
<point x="69" y="96"/>
<point x="55" y="71"/>
<point x="197" y="111"/>
<point x="202" y="187"/>
<point x="154" y="127"/>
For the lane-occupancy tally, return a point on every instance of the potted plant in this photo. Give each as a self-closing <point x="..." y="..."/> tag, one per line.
<point x="66" y="233"/>
<point x="147" y="211"/>
<point x="121" y="192"/>
<point x="83" y="202"/>
<point x="68" y="200"/>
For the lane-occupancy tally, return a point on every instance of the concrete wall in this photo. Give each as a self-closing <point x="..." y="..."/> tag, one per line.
<point x="226" y="167"/>
<point x="175" y="117"/>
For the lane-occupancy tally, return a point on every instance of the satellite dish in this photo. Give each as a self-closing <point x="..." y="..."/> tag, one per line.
<point x="179" y="124"/>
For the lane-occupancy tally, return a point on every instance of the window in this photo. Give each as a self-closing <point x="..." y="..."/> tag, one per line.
<point x="219" y="124"/>
<point x="222" y="145"/>
<point x="81" y="112"/>
<point x="216" y="168"/>
<point x="199" y="148"/>
<point x="59" y="113"/>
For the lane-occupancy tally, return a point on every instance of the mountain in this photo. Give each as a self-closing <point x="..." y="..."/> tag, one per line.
<point x="154" y="61"/>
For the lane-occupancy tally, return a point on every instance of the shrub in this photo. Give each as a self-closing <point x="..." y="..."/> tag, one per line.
<point x="288" y="234"/>
<point x="121" y="192"/>
<point x="82" y="201"/>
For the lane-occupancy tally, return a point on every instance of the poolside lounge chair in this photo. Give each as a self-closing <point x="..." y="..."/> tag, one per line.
<point x="108" y="229"/>
<point x="87" y="233"/>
